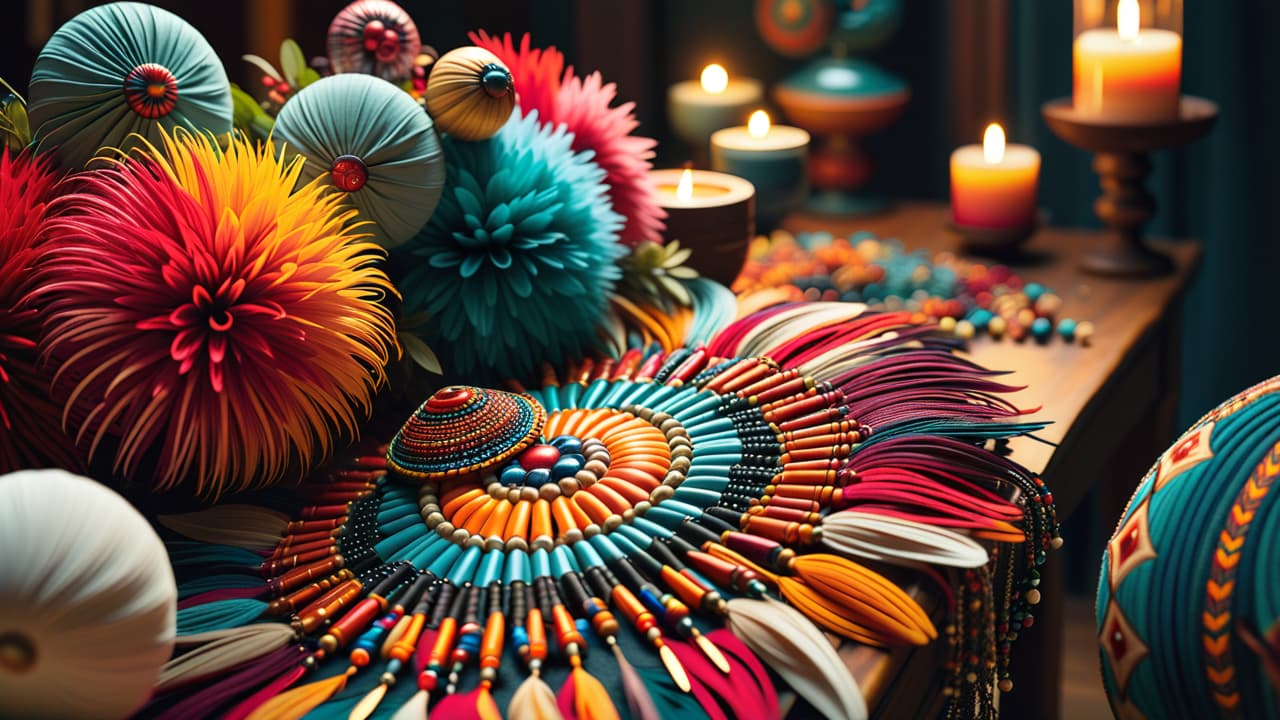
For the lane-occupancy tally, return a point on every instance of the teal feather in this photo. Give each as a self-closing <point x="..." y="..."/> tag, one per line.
<point x="203" y="584"/>
<point x="219" y="615"/>
<point x="671" y="702"/>
<point x="183" y="553"/>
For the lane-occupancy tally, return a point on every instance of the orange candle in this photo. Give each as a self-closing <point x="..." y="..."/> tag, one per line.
<point x="1129" y="74"/>
<point x="994" y="185"/>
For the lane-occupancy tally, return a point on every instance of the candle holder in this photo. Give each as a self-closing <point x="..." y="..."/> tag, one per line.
<point x="839" y="99"/>
<point x="993" y="242"/>
<point x="716" y="222"/>
<point x="1122" y="162"/>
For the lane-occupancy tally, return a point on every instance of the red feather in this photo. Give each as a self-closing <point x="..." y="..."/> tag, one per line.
<point x="744" y="692"/>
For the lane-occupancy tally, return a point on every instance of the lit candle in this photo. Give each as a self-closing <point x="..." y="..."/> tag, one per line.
<point x="1129" y="74"/>
<point x="775" y="158"/>
<point x="697" y="108"/>
<point x="993" y="185"/>
<point x="712" y="214"/>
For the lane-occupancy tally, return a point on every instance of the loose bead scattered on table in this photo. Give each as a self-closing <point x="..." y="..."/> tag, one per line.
<point x="965" y="297"/>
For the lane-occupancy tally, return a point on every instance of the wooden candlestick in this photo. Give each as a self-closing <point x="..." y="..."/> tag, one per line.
<point x="1122" y="162"/>
<point x="717" y="222"/>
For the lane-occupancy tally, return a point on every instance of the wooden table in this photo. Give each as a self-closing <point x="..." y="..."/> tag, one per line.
<point x="1112" y="404"/>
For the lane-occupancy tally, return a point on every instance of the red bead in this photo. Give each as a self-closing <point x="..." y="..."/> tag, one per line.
<point x="349" y="173"/>
<point x="539" y="456"/>
<point x="374" y="29"/>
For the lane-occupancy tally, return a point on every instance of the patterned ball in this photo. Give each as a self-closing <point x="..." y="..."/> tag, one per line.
<point x="1189" y="597"/>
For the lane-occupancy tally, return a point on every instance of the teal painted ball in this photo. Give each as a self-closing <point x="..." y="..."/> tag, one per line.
<point x="1188" y="607"/>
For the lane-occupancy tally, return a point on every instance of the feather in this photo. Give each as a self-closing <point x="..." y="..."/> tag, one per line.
<point x="899" y="541"/>
<point x="738" y="694"/>
<point x="415" y="708"/>
<point x="638" y="700"/>
<point x="280" y="664"/>
<point x="215" y="652"/>
<point x="475" y="705"/>
<point x="533" y="700"/>
<point x="739" y="653"/>
<point x="219" y="615"/>
<point x="849" y="590"/>
<point x="272" y="689"/>
<point x="299" y="701"/>
<point x="246" y="526"/>
<point x="582" y="697"/>
<point x="787" y="642"/>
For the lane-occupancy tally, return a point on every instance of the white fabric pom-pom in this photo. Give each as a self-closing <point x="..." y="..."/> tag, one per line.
<point x="87" y="599"/>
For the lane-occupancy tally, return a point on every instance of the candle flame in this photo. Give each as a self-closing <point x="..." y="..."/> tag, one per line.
<point x="715" y="79"/>
<point x="993" y="144"/>
<point x="684" y="189"/>
<point x="1128" y="19"/>
<point x="758" y="124"/>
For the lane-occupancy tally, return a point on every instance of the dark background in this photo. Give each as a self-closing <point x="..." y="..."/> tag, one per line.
<point x="1220" y="190"/>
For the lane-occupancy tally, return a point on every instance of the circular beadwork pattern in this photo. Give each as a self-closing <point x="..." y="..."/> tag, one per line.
<point x="151" y="90"/>
<point x="1189" y="598"/>
<point x="463" y="429"/>
<point x="601" y="468"/>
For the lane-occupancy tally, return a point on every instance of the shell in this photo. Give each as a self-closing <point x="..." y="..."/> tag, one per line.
<point x="120" y="69"/>
<point x="373" y="142"/>
<point x="470" y="93"/>
<point x="374" y="37"/>
<point x="462" y="429"/>
<point x="1189" y="598"/>
<point x="87" y="599"/>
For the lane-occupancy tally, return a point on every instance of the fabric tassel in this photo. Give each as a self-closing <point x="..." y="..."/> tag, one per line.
<point x="219" y="615"/>
<point x="582" y="697"/>
<point x="671" y="702"/>
<point x="206" y="701"/>
<point x="787" y="642"/>
<point x="246" y="526"/>
<point x="272" y="689"/>
<point x="638" y="700"/>
<point x="475" y="705"/>
<point x="534" y="700"/>
<point x="299" y="701"/>
<point x="738" y="694"/>
<point x="215" y="652"/>
<point x="415" y="708"/>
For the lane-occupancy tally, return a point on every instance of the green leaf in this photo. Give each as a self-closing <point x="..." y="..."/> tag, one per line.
<point x="292" y="61"/>
<point x="676" y="290"/>
<point x="420" y="353"/>
<point x="307" y="76"/>
<point x="679" y="256"/>
<point x="266" y="67"/>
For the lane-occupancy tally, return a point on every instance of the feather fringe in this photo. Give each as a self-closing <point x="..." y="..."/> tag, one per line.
<point x="415" y="708"/>
<point x="787" y="642"/>
<point x="475" y="705"/>
<point x="219" y="615"/>
<point x="899" y="541"/>
<point x="299" y="701"/>
<point x="246" y="526"/>
<point x="533" y="700"/>
<point x="217" y="651"/>
<point x="638" y="700"/>
<point x="582" y="697"/>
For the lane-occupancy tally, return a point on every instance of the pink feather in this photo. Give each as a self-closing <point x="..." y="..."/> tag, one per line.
<point x="459" y="706"/>
<point x="734" y="649"/>
<point x="565" y="699"/>
<point x="740" y="691"/>
<point x="422" y="653"/>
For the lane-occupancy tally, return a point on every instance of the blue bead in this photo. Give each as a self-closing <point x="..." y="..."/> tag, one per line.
<point x="1033" y="291"/>
<point x="566" y="444"/>
<point x="566" y="466"/>
<point x="537" y="477"/>
<point x="1067" y="329"/>
<point x="512" y="475"/>
<point x="1041" y="328"/>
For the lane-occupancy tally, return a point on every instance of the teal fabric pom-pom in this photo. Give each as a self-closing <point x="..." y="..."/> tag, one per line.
<point x="372" y="141"/>
<point x="120" y="69"/>
<point x="516" y="265"/>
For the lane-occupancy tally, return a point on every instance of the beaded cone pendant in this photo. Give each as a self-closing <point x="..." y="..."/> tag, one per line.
<point x="651" y="532"/>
